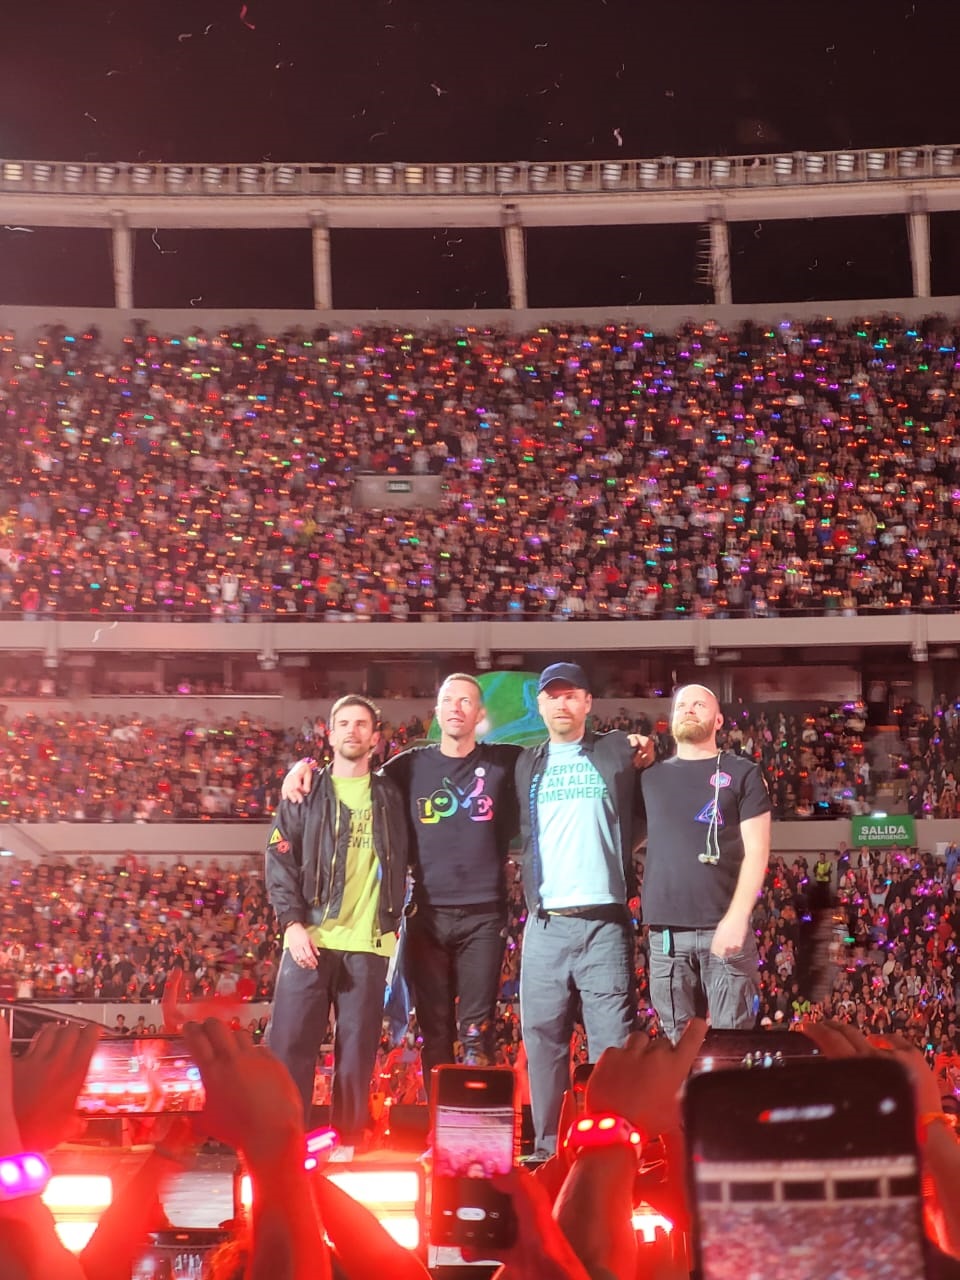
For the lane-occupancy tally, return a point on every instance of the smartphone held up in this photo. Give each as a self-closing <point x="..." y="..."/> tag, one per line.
<point x="137" y="1077"/>
<point x="814" y="1165"/>
<point x="475" y="1132"/>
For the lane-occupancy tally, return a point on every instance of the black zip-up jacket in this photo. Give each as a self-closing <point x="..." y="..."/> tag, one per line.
<point x="307" y="853"/>
<point x="612" y="757"/>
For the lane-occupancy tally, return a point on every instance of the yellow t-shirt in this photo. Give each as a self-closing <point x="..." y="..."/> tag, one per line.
<point x="357" y="926"/>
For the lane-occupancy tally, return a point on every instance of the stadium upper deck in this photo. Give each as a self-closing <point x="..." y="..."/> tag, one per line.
<point x="713" y="191"/>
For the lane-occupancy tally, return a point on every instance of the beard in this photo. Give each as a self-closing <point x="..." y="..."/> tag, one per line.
<point x="692" y="731"/>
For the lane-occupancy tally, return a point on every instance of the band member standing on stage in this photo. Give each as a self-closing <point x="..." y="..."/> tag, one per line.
<point x="708" y="843"/>
<point x="461" y="810"/>
<point x="335" y="869"/>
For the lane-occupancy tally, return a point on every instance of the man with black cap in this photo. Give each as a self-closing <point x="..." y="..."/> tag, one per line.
<point x="576" y="793"/>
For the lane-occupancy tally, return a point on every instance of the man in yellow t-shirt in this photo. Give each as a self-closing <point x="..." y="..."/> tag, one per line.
<point x="336" y="871"/>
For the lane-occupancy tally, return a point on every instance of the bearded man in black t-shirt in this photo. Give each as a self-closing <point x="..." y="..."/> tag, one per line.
<point x="462" y="814"/>
<point x="708" y="842"/>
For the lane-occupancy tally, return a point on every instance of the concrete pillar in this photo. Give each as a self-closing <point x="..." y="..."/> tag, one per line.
<point x="322" y="271"/>
<point x="122" y="262"/>
<point x="918" y="231"/>
<point x="720" y="261"/>
<point x="923" y="690"/>
<point x="515" y="253"/>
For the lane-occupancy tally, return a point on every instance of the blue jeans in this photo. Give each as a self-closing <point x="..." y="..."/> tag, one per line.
<point x="353" y="982"/>
<point x="687" y="980"/>
<point x="566" y="959"/>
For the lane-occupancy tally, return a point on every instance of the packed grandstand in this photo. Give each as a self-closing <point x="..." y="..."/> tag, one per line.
<point x="587" y="473"/>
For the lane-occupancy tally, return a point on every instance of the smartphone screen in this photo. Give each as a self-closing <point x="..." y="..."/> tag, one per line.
<point x="474" y="1136"/>
<point x="141" y="1077"/>
<point x="724" y="1049"/>
<point x="178" y="1255"/>
<point x="813" y="1167"/>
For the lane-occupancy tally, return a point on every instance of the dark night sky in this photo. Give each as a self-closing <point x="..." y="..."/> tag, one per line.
<point x="406" y="80"/>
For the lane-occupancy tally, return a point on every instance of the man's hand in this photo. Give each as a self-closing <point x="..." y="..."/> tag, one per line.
<point x="840" y="1040"/>
<point x="252" y="1103"/>
<point x="26" y="1226"/>
<point x="641" y="1081"/>
<point x="46" y="1081"/>
<point x="540" y="1251"/>
<point x="644" y="752"/>
<point x="300" y="945"/>
<point x="297" y="781"/>
<point x="729" y="935"/>
<point x="175" y="1014"/>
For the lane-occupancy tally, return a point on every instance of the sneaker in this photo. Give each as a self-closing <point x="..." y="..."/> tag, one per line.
<point x="341" y="1155"/>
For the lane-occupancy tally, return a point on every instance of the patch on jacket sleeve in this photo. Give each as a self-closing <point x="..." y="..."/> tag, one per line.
<point x="278" y="843"/>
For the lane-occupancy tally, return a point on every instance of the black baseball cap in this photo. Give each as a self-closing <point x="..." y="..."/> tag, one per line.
<point x="569" y="672"/>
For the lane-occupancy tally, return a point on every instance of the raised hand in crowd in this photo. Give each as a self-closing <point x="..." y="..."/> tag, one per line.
<point x="46" y="1081"/>
<point x="541" y="1250"/>
<point x="29" y="1246"/>
<point x="177" y="1012"/>
<point x="253" y="1106"/>
<point x="363" y="1248"/>
<point x="640" y="1082"/>
<point x="939" y="1145"/>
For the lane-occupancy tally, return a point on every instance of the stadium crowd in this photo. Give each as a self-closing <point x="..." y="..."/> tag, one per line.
<point x="607" y="472"/>
<point x="883" y="958"/>
<point x="75" y="767"/>
<point x="610" y="473"/>
<point x="80" y="767"/>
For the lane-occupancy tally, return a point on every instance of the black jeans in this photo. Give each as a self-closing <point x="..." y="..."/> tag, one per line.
<point x="353" y="982"/>
<point x="454" y="957"/>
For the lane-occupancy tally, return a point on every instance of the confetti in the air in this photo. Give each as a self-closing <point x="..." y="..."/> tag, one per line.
<point x="100" y="630"/>
<point x="157" y="242"/>
<point x="619" y="137"/>
<point x="243" y="18"/>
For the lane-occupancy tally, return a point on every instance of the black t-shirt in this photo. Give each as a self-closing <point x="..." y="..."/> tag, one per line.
<point x="462" y="815"/>
<point x="679" y="890"/>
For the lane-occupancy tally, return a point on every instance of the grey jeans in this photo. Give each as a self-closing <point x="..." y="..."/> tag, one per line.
<point x="687" y="980"/>
<point x="566" y="958"/>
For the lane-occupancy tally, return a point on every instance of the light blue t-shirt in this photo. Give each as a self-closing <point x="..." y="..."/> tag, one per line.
<point x="579" y="833"/>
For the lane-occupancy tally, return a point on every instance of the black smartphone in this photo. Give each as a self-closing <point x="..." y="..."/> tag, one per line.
<point x="811" y="1170"/>
<point x="773" y="1048"/>
<point x="137" y="1077"/>
<point x="475" y="1134"/>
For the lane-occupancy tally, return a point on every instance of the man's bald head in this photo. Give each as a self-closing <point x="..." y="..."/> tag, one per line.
<point x="696" y="715"/>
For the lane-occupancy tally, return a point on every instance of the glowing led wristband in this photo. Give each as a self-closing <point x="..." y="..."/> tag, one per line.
<point x="320" y="1143"/>
<point x="26" y="1174"/>
<point x="602" y="1130"/>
